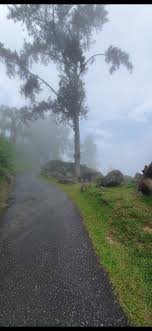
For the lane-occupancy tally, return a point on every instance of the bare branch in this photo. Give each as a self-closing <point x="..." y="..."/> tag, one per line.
<point x="43" y="81"/>
<point x="6" y="54"/>
<point x="89" y="59"/>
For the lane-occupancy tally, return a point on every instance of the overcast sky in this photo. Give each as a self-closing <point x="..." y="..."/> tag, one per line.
<point x="120" y="105"/>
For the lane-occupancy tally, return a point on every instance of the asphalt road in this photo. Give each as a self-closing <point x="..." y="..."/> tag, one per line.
<point x="49" y="274"/>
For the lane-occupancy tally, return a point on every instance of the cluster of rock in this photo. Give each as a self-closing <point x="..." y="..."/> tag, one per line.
<point x="145" y="182"/>
<point x="116" y="178"/>
<point x="65" y="172"/>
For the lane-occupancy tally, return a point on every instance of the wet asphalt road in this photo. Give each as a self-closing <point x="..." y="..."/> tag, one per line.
<point x="49" y="274"/>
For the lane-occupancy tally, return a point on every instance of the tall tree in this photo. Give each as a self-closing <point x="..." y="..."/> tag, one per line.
<point x="13" y="121"/>
<point x="62" y="34"/>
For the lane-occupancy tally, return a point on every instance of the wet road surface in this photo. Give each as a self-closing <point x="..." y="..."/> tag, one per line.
<point x="49" y="274"/>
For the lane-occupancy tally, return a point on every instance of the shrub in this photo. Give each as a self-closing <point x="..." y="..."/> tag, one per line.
<point x="6" y="157"/>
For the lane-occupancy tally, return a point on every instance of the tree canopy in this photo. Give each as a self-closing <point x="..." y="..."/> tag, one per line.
<point x="61" y="34"/>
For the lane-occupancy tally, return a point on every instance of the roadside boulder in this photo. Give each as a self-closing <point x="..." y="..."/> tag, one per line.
<point x="137" y="177"/>
<point x="147" y="171"/>
<point x="113" y="178"/>
<point x="145" y="184"/>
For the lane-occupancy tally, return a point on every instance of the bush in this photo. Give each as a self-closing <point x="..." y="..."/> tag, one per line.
<point x="6" y="157"/>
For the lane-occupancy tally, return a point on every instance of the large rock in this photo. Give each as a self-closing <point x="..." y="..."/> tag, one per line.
<point x="145" y="183"/>
<point x="145" y="186"/>
<point x="113" y="178"/>
<point x="147" y="171"/>
<point x="137" y="177"/>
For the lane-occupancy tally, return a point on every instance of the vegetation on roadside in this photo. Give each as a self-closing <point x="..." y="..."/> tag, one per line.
<point x="7" y="160"/>
<point x="119" y="223"/>
<point x="7" y="169"/>
<point x="4" y="191"/>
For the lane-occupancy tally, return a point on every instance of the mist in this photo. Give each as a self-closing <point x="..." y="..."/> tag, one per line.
<point x="44" y="140"/>
<point x="75" y="164"/>
<point x="119" y="105"/>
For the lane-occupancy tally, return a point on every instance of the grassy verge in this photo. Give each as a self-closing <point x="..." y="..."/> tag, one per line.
<point x="4" y="192"/>
<point x="7" y="158"/>
<point x="119" y="223"/>
<point x="7" y="170"/>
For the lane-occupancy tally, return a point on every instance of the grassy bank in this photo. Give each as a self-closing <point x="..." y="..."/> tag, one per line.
<point x="119" y="223"/>
<point x="7" y="170"/>
<point x="4" y="192"/>
<point x="7" y="158"/>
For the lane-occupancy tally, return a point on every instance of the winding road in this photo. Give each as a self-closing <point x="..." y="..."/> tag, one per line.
<point x="49" y="273"/>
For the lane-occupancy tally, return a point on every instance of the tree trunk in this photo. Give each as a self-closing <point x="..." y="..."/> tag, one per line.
<point x="76" y="132"/>
<point x="77" y="145"/>
<point x="3" y="132"/>
<point x="13" y="135"/>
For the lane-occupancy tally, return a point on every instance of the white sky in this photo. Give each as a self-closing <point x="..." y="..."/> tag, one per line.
<point x="120" y="105"/>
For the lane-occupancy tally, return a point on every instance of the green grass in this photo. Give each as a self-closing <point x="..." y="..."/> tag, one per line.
<point x="122" y="244"/>
<point x="7" y="168"/>
<point x="4" y="191"/>
<point x="7" y="157"/>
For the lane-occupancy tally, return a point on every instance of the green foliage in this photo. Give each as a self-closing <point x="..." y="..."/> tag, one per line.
<point x="13" y="121"/>
<point x="7" y="162"/>
<point x="117" y="57"/>
<point x="70" y="99"/>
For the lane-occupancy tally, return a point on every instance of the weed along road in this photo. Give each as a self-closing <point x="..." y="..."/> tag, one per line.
<point x="49" y="274"/>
